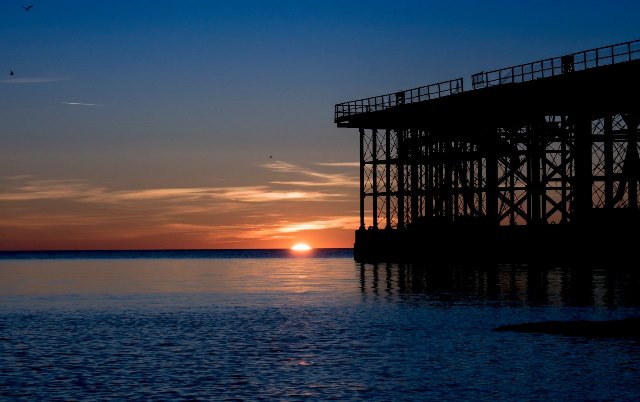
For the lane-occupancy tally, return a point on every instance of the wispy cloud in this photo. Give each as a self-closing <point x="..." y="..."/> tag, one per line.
<point x="250" y="194"/>
<point x="27" y="190"/>
<point x="81" y="191"/>
<point x="32" y="80"/>
<point x="17" y="177"/>
<point x="78" y="211"/>
<point x="339" y="164"/>
<point x="287" y="228"/>
<point x="266" y="230"/>
<point x="318" y="179"/>
<point x="81" y="104"/>
<point x="341" y="222"/>
<point x="264" y="194"/>
<point x="40" y="220"/>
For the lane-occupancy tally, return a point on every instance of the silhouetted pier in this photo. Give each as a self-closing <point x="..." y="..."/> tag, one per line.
<point x="538" y="160"/>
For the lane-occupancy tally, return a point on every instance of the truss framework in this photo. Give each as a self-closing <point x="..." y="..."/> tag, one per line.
<point x="551" y="170"/>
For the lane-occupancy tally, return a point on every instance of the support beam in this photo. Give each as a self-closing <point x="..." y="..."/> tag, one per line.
<point x="362" y="168"/>
<point x="534" y="187"/>
<point x="400" y="162"/>
<point x="632" y="160"/>
<point x="374" y="175"/>
<point x="608" y="163"/>
<point x="583" y="179"/>
<point x="491" y="156"/>
<point x="388" y="177"/>
<point x="414" y="175"/>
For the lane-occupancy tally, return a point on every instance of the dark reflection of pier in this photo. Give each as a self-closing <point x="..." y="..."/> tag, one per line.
<point x="536" y="285"/>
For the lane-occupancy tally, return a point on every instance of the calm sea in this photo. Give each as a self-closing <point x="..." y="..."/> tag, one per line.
<point x="273" y="325"/>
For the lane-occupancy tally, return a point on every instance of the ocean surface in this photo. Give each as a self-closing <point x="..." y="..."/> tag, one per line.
<point x="276" y="325"/>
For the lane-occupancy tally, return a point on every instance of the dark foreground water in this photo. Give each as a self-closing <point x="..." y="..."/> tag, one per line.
<point x="272" y="326"/>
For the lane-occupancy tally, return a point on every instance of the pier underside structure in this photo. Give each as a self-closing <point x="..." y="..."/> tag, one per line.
<point x="536" y="160"/>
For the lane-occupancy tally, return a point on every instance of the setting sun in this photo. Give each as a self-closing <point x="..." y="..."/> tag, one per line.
<point x="301" y="247"/>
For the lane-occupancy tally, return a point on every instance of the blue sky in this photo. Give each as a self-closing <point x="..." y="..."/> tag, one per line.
<point x="149" y="100"/>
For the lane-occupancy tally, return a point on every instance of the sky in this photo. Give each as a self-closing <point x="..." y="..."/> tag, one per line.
<point x="208" y="124"/>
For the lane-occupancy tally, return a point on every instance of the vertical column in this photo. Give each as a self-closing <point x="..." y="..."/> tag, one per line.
<point x="534" y="151"/>
<point x="414" y="175"/>
<point x="482" y="163"/>
<point x="374" y="175"/>
<point x="450" y="192"/>
<point x="468" y="171"/>
<point x="388" y="177"/>
<point x="544" y="177"/>
<point x="514" y="165"/>
<point x="608" y="163"/>
<point x="491" y="156"/>
<point x="454" y="159"/>
<point x="400" y="161"/>
<point x="421" y="154"/>
<point x="439" y="183"/>
<point x="583" y="175"/>
<point x="432" y="166"/>
<point x="362" y="167"/>
<point x="632" y="160"/>
<point x="566" y="169"/>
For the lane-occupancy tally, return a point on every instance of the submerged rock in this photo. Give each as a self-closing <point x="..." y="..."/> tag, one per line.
<point x="625" y="328"/>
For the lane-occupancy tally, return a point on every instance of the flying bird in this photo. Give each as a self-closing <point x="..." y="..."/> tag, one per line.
<point x="28" y="8"/>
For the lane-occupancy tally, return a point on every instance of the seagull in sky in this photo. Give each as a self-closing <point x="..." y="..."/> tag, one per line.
<point x="28" y="8"/>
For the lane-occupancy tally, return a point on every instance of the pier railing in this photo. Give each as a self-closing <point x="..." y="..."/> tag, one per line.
<point x="382" y="102"/>
<point x="602" y="56"/>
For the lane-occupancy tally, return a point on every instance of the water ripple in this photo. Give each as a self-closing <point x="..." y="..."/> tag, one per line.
<point x="317" y="333"/>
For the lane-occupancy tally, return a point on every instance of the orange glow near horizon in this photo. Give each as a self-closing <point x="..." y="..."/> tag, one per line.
<point x="301" y="247"/>
<point x="85" y="214"/>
